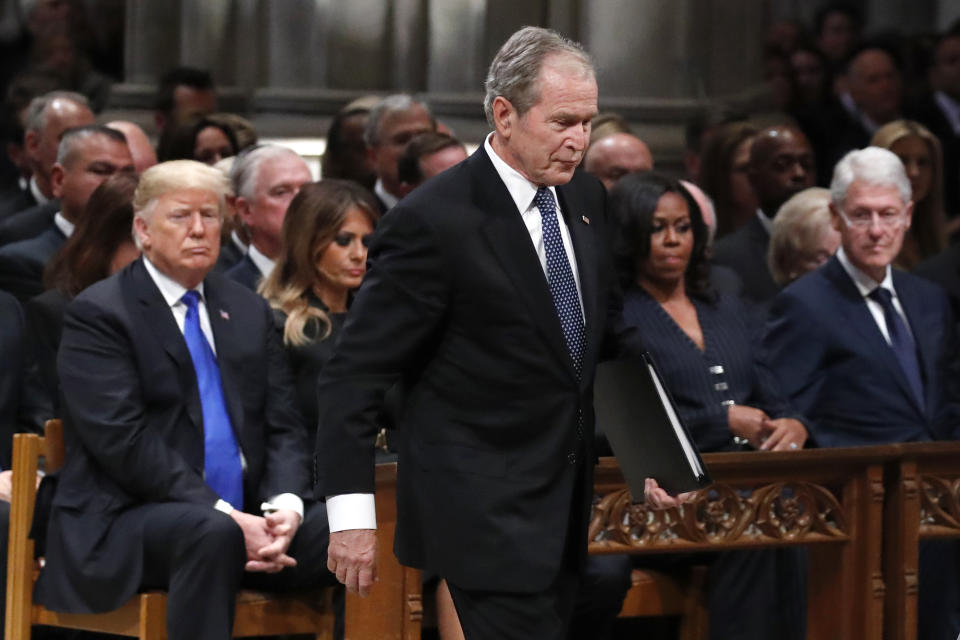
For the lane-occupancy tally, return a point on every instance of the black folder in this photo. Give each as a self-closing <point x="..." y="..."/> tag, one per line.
<point x="636" y="413"/>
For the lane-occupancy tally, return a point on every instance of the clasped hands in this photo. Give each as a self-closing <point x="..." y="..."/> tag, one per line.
<point x="268" y="538"/>
<point x="764" y="433"/>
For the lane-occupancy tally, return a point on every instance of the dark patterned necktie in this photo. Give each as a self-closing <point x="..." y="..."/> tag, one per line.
<point x="563" y="288"/>
<point x="222" y="466"/>
<point x="901" y="341"/>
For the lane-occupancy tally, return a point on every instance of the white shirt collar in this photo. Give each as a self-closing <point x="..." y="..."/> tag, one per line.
<point x="765" y="221"/>
<point x="171" y="290"/>
<point x="388" y="198"/>
<point x="66" y="227"/>
<point x="950" y="109"/>
<point x="240" y="244"/>
<point x="521" y="190"/>
<point x="37" y="194"/>
<point x="263" y="263"/>
<point x="865" y="284"/>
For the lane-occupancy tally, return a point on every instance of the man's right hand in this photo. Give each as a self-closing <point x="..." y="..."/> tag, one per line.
<point x="256" y="536"/>
<point x="352" y="557"/>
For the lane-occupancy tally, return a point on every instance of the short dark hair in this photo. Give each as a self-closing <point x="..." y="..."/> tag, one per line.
<point x="192" y="77"/>
<point x="425" y="144"/>
<point x="633" y="201"/>
<point x="874" y="45"/>
<point x="178" y="141"/>
<point x="847" y="9"/>
<point x="72" y="136"/>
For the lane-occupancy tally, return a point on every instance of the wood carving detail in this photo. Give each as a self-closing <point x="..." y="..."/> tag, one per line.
<point x="940" y="502"/>
<point x="721" y="514"/>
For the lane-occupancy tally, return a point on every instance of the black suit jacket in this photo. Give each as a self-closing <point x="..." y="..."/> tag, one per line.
<point x="230" y="256"/>
<point x="12" y="354"/>
<point x="44" y="316"/>
<point x="928" y="112"/>
<point x="15" y="201"/>
<point x="22" y="263"/>
<point x="28" y="223"/>
<point x="834" y="364"/>
<point x="745" y="251"/>
<point x="134" y="427"/>
<point x="944" y="269"/>
<point x="456" y="304"/>
<point x="246" y="273"/>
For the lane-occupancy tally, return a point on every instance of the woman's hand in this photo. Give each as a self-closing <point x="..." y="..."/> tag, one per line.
<point x="785" y="434"/>
<point x="658" y="498"/>
<point x="749" y="423"/>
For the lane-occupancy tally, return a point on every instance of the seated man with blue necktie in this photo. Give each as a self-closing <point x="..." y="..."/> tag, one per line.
<point x="187" y="461"/>
<point x="867" y="352"/>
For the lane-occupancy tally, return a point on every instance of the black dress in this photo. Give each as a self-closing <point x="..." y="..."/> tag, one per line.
<point x="751" y="594"/>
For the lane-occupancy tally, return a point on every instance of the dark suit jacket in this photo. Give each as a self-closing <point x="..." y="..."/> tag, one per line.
<point x="22" y="263"/>
<point x="15" y="201"/>
<point x="230" y="256"/>
<point x="246" y="273"/>
<point x="944" y="269"/>
<point x="745" y="251"/>
<point x="44" y="316"/>
<point x="831" y="360"/>
<point x="457" y="304"/>
<point x="28" y="223"/>
<point x="134" y="427"/>
<point x="12" y="354"/>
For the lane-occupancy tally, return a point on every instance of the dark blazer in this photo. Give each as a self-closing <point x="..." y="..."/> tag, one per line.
<point x="230" y="256"/>
<point x="928" y="113"/>
<point x="44" y="316"/>
<point x="745" y="251"/>
<point x="28" y="223"/>
<point x="12" y="354"/>
<point x="246" y="273"/>
<point x="457" y="305"/>
<point x="833" y="363"/>
<point x="15" y="201"/>
<point x="698" y="388"/>
<point x="944" y="269"/>
<point x="134" y="429"/>
<point x="22" y="263"/>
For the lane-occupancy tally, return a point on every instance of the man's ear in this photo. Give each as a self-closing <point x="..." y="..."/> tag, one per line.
<point x="909" y="214"/>
<point x="242" y="207"/>
<point x="57" y="174"/>
<point x="140" y="228"/>
<point x="504" y="116"/>
<point x="31" y="142"/>
<point x="835" y="218"/>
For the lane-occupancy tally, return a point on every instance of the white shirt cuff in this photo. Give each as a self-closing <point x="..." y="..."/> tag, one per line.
<point x="289" y="501"/>
<point x="351" y="511"/>
<point x="224" y="506"/>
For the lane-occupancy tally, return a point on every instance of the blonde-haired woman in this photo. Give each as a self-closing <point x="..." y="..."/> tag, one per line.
<point x="919" y="150"/>
<point x="803" y="237"/>
<point x="322" y="260"/>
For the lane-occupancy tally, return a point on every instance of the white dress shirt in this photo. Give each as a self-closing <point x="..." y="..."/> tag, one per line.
<point x="357" y="510"/>
<point x="172" y="292"/>
<point x="37" y="194"/>
<point x="66" y="227"/>
<point x="260" y="261"/>
<point x="385" y="196"/>
<point x="950" y="109"/>
<point x="765" y="221"/>
<point x="865" y="284"/>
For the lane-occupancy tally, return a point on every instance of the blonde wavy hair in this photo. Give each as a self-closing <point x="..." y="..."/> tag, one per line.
<point x="313" y="219"/>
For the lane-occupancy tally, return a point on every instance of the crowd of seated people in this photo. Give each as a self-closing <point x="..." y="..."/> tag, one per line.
<point x="772" y="290"/>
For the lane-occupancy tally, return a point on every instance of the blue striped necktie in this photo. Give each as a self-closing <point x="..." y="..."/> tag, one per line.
<point x="222" y="467"/>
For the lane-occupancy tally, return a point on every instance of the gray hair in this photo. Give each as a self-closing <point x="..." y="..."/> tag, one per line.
<point x="389" y="105"/>
<point x="246" y="168"/>
<point x="799" y="224"/>
<point x="176" y="175"/>
<point x="873" y="165"/>
<point x="73" y="139"/>
<point x="515" y="70"/>
<point x="36" y="116"/>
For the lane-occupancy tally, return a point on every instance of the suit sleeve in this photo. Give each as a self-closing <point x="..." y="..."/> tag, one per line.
<point x="791" y="355"/>
<point x="11" y="354"/>
<point x="395" y="317"/>
<point x="105" y="409"/>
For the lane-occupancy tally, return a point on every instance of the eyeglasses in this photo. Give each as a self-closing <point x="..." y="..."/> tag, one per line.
<point x="886" y="218"/>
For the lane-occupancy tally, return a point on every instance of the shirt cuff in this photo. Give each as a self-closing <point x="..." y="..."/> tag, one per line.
<point x="224" y="506"/>
<point x="351" y="511"/>
<point x="289" y="501"/>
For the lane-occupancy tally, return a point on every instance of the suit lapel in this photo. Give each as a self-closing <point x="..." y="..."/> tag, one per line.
<point x="510" y="242"/>
<point x="159" y="318"/>
<point x="858" y="316"/>
<point x="584" y="250"/>
<point x="225" y="335"/>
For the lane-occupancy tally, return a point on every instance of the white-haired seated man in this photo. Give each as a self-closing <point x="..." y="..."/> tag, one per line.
<point x="187" y="461"/>
<point x="867" y="353"/>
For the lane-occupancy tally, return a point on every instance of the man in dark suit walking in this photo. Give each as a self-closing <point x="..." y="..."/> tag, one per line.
<point x="866" y="352"/>
<point x="186" y="457"/>
<point x="490" y="297"/>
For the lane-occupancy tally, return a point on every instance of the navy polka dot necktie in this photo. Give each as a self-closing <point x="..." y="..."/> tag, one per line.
<point x="563" y="288"/>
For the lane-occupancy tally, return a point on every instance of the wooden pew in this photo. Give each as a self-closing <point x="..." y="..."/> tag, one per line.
<point x="923" y="502"/>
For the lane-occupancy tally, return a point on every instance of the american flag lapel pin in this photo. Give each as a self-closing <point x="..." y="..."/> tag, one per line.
<point x="224" y="314"/>
<point x="585" y="219"/>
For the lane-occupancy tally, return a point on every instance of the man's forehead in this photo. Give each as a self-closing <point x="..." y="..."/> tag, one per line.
<point x="285" y="168"/>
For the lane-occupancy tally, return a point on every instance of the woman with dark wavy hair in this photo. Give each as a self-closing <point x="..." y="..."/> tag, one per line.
<point x="703" y="347"/>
